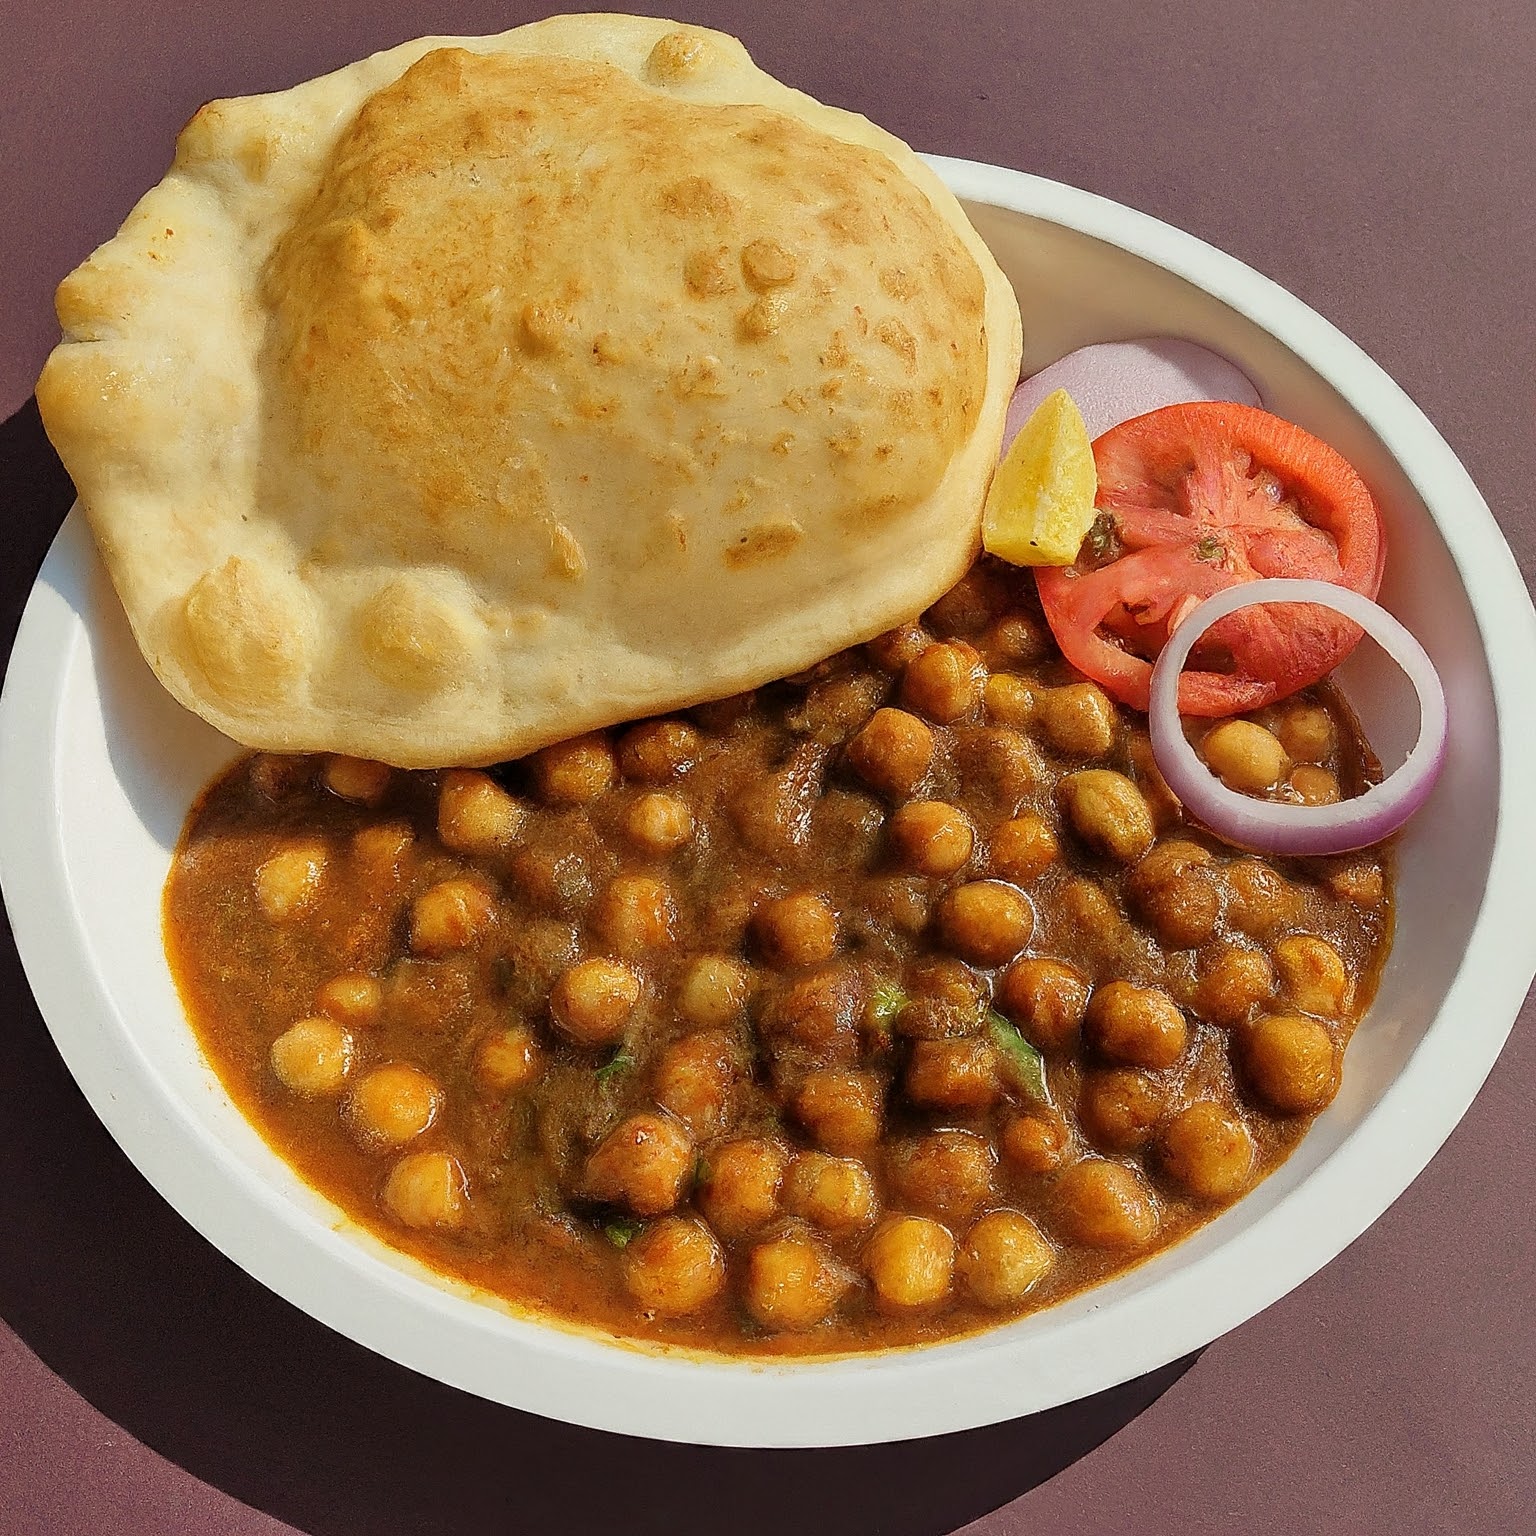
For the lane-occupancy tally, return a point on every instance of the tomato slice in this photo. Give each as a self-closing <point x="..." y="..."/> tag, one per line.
<point x="1192" y="499"/>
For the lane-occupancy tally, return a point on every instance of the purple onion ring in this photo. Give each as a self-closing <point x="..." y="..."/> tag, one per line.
<point x="1299" y="830"/>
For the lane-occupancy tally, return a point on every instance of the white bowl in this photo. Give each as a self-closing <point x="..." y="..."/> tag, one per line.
<point x="98" y="768"/>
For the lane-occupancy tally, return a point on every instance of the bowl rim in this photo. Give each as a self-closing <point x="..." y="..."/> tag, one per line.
<point x="853" y="1400"/>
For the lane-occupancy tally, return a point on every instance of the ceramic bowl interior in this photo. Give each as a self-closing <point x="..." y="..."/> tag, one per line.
<point x="98" y="768"/>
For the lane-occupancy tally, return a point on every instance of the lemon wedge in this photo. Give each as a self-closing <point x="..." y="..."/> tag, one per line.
<point x="1040" y="507"/>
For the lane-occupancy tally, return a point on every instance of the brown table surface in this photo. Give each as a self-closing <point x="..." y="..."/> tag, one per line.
<point x="1374" y="156"/>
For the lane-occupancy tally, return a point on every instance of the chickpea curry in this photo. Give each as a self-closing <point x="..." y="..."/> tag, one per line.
<point x="880" y="1005"/>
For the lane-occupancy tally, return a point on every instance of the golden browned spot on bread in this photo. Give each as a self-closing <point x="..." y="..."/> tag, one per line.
<point x="696" y="197"/>
<point x="707" y="272"/>
<point x="766" y="264"/>
<point x="409" y="636"/>
<point x="681" y="55"/>
<point x="899" y="339"/>
<point x="765" y="541"/>
<point x="608" y="348"/>
<point x="569" y="557"/>
<point x="763" y="317"/>
<point x="700" y="376"/>
<point x="541" y="328"/>
<point x="247" y="632"/>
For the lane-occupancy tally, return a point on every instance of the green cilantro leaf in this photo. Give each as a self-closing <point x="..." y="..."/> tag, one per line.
<point x="1102" y="540"/>
<point x="1024" y="1063"/>
<point x="622" y="1230"/>
<point x="887" y="1003"/>
<point x="620" y="1061"/>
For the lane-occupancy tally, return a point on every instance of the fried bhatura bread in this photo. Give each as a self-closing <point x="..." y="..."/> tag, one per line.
<point x="493" y="389"/>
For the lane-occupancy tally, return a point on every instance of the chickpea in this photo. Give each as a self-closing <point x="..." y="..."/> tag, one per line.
<point x="1208" y="1151"/>
<point x="739" y="1188"/>
<point x="1245" y="756"/>
<point x="1260" y="901"/>
<point x="953" y="1074"/>
<point x="769" y="812"/>
<point x="1016" y="637"/>
<point x="658" y="750"/>
<point x="970" y="605"/>
<point x="1174" y="890"/>
<point x="356" y="778"/>
<point x="1085" y="908"/>
<point x="713" y="991"/>
<point x="833" y="1193"/>
<point x="379" y="847"/>
<point x="1046" y="999"/>
<point x="1023" y="849"/>
<point x="351" y="999"/>
<point x="392" y="1104"/>
<point x="636" y="914"/>
<point x="896" y="648"/>
<point x="949" y="1173"/>
<point x="556" y="879"/>
<point x="1292" y="1062"/>
<point x="695" y="1079"/>
<point x="312" y="1058"/>
<point x="1004" y="1258"/>
<point x="1361" y="884"/>
<point x="817" y="1015"/>
<point x="986" y="922"/>
<point x="944" y="682"/>
<point x="427" y="1189"/>
<point x="946" y="1000"/>
<point x="450" y="915"/>
<point x="674" y="1267"/>
<point x="999" y="761"/>
<point x="1314" y="786"/>
<point x="1140" y="1026"/>
<point x="645" y="1162"/>
<point x="288" y="883"/>
<point x="1120" y="1109"/>
<point x="508" y="1059"/>
<point x="1008" y="700"/>
<point x="902" y="901"/>
<point x="1109" y="813"/>
<point x="836" y="708"/>
<point x="910" y="1262"/>
<point x="475" y="815"/>
<point x="793" y="1283"/>
<point x="892" y="753"/>
<point x="1077" y="720"/>
<point x="1166" y="809"/>
<point x="592" y="1001"/>
<point x="274" y="775"/>
<point x="659" y="823"/>
<point x="932" y="838"/>
<point x="797" y="931"/>
<point x="1232" y="983"/>
<point x="842" y="1110"/>
<point x="1312" y="975"/>
<point x="1306" y="732"/>
<point x="1035" y="1143"/>
<point x="574" y="772"/>
<point x="1105" y="1205"/>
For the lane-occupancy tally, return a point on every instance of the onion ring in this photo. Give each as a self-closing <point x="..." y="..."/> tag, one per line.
<point x="1306" y="830"/>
